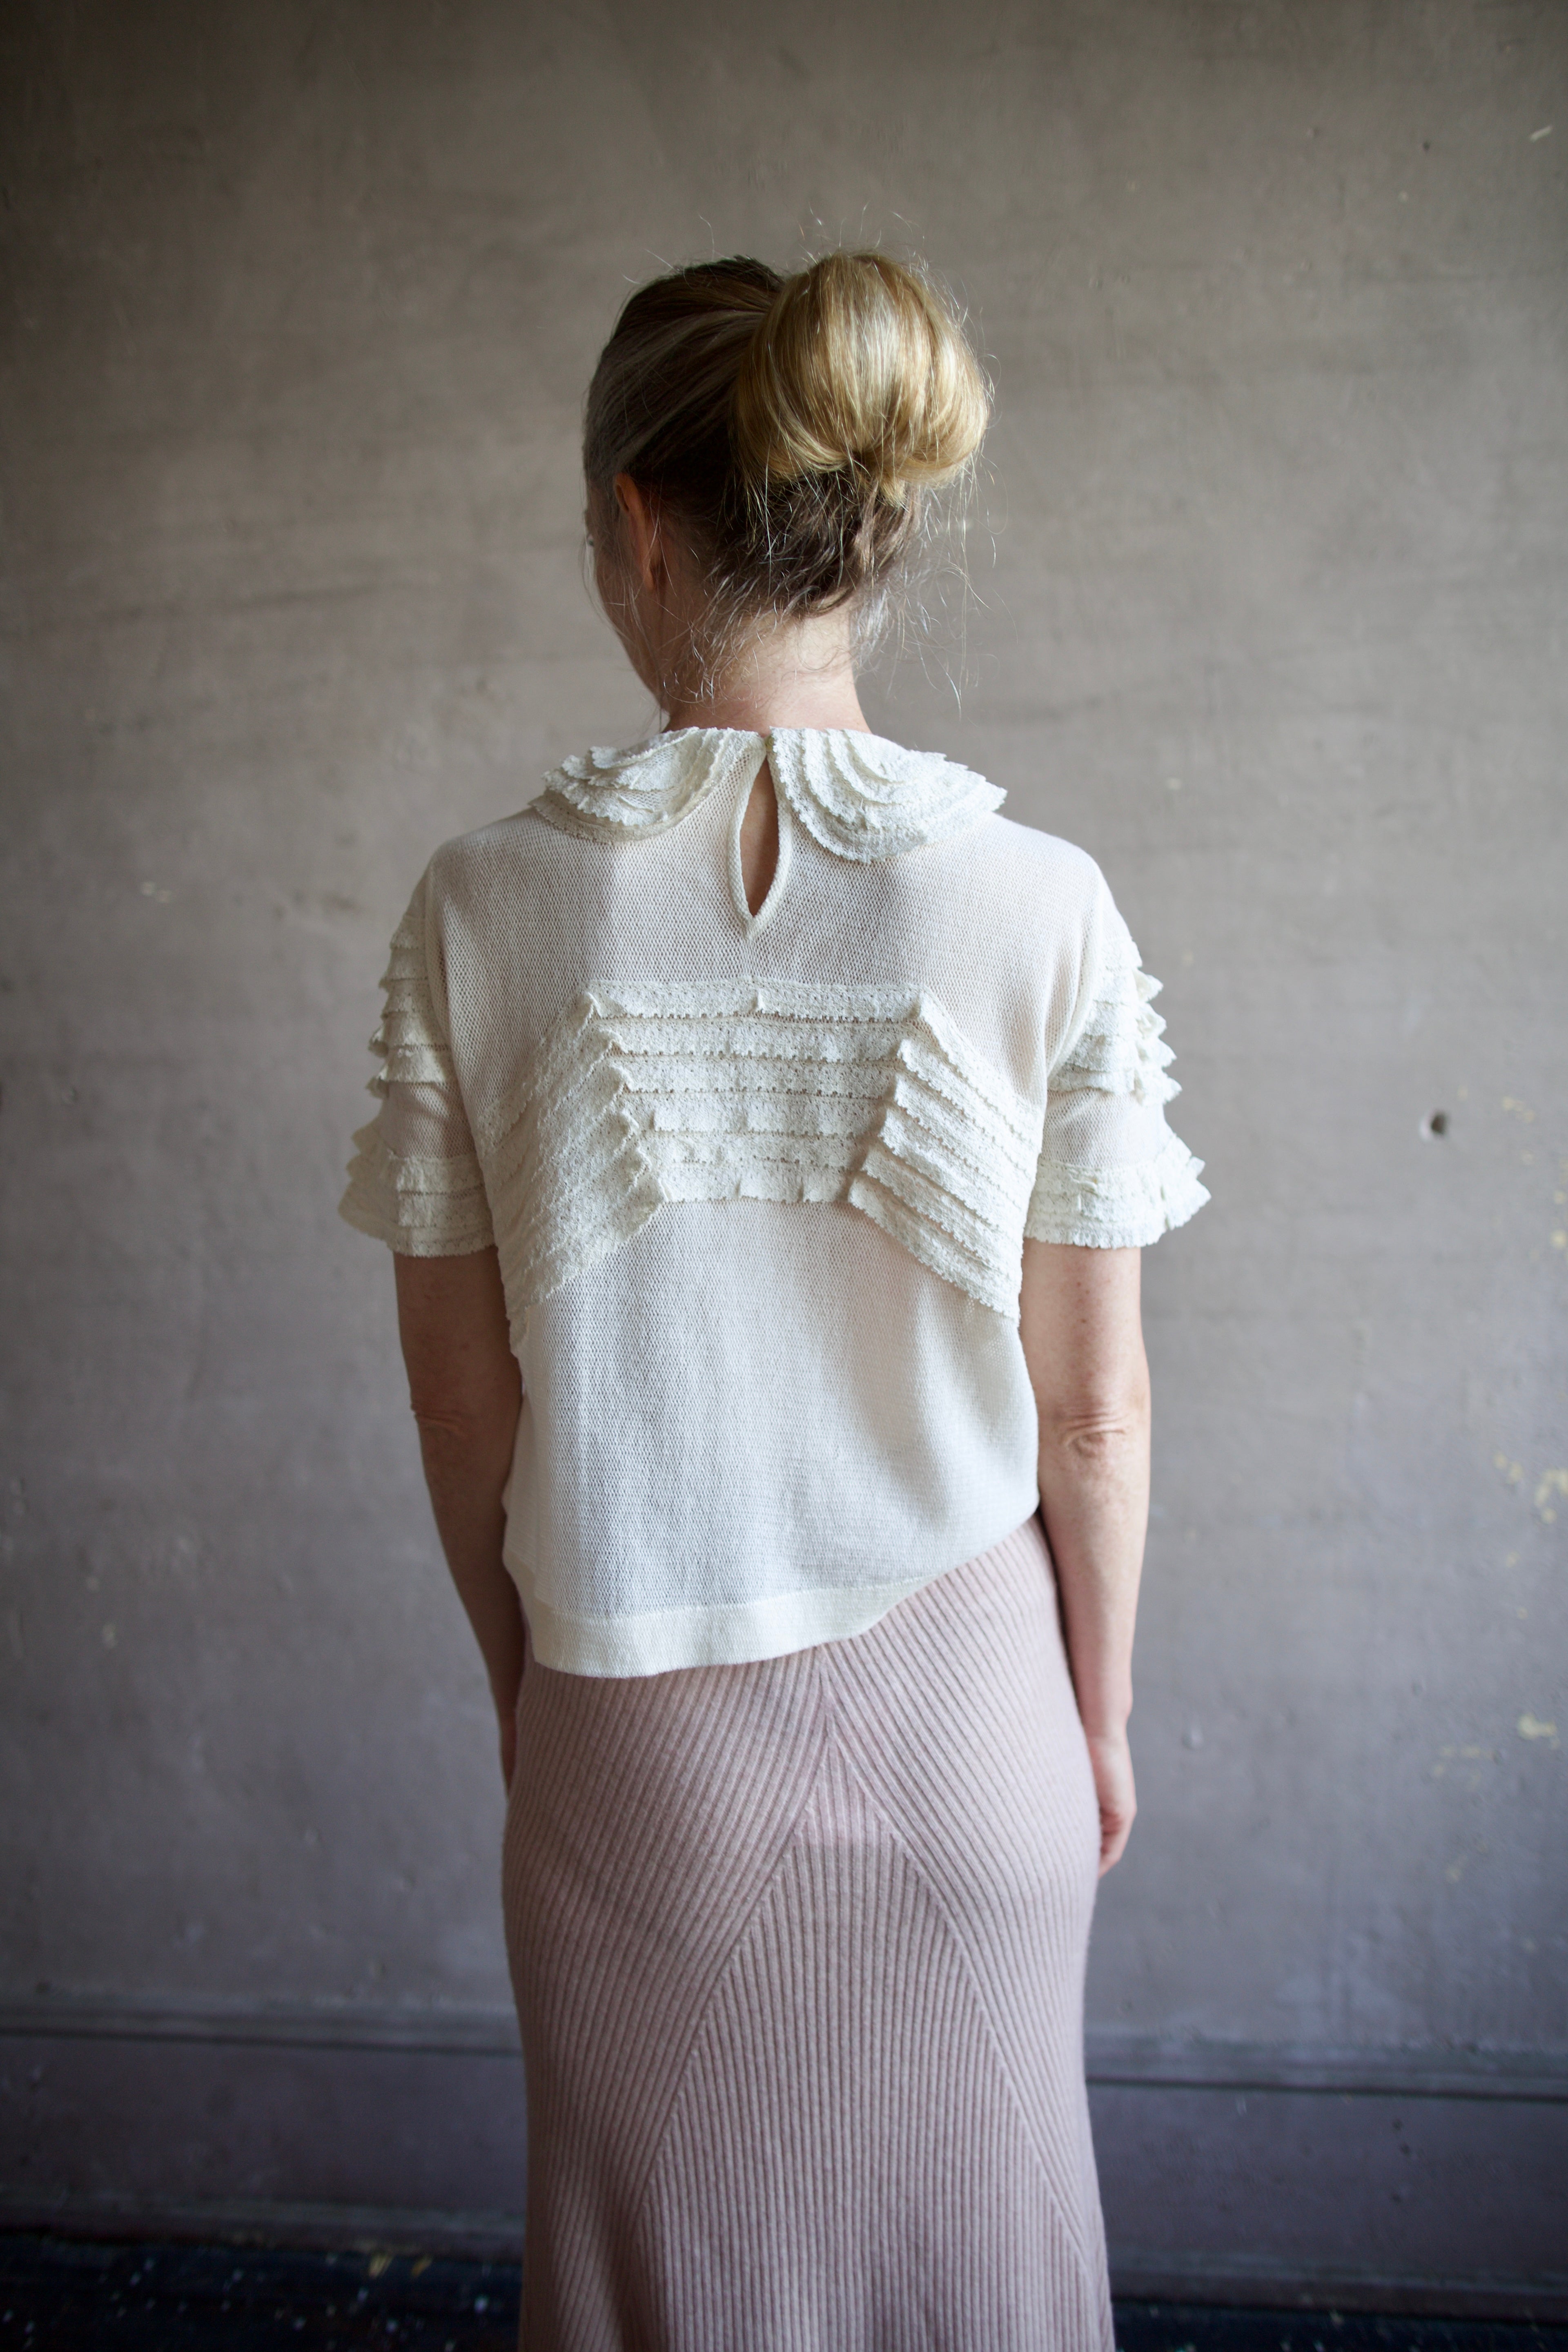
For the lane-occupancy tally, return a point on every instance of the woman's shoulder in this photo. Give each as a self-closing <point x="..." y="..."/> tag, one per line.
<point x="1042" y="852"/>
<point x="1045" y="870"/>
<point x="474" y="860"/>
<point x="909" y="809"/>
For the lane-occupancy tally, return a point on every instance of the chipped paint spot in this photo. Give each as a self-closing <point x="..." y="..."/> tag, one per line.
<point x="1513" y="1471"/>
<point x="1554" y="1482"/>
<point x="1530" y="1727"/>
<point x="1512" y="1104"/>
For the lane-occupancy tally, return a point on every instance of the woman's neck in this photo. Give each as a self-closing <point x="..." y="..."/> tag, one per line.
<point x="791" y="673"/>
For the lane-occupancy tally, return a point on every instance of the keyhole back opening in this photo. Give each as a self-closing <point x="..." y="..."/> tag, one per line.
<point x="760" y="841"/>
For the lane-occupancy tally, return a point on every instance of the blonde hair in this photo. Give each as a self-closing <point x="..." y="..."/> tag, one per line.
<point x="861" y="367"/>
<point x="795" y="428"/>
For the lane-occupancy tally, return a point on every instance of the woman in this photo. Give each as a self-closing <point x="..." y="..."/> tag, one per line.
<point x="768" y="1133"/>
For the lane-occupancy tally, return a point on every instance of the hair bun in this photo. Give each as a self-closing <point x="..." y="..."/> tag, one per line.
<point x="858" y="365"/>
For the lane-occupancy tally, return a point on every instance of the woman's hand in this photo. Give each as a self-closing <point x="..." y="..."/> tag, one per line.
<point x="1112" y="1760"/>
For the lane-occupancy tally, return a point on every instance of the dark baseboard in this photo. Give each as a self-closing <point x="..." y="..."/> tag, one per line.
<point x="1414" y="2181"/>
<point x="1258" y="2285"/>
<point x="270" y="2221"/>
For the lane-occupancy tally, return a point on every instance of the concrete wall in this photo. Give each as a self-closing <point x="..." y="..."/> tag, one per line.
<point x="1270" y="613"/>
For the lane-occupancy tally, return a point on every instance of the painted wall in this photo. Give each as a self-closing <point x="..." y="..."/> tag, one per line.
<point x="1269" y="613"/>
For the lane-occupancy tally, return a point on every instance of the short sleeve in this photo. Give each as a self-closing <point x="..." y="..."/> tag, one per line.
<point x="415" y="1180"/>
<point x="1111" y="1174"/>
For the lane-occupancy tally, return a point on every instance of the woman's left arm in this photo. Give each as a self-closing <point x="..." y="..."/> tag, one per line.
<point x="465" y="1391"/>
<point x="1083" y="1343"/>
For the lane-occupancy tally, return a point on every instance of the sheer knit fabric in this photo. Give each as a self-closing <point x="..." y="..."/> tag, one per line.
<point x="760" y="1183"/>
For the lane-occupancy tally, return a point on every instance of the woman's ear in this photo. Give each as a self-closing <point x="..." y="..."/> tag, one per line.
<point x="642" y="531"/>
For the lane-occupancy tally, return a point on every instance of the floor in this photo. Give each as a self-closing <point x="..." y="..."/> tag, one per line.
<point x="64" y="2295"/>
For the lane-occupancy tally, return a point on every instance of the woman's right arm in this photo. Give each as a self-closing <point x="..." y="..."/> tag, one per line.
<point x="465" y="1391"/>
<point x="1083" y="1344"/>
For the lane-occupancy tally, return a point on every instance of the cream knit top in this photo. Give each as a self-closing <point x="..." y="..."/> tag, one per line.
<point x="760" y="1183"/>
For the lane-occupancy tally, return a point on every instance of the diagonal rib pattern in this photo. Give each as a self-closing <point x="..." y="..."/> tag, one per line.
<point x="798" y="1951"/>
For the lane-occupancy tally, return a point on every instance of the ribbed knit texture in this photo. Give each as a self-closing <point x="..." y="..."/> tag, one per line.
<point x="798" y="1951"/>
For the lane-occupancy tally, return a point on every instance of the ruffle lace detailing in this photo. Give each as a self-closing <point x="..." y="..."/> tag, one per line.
<point x="1119" y="1051"/>
<point x="768" y="1091"/>
<point x="1116" y="1208"/>
<point x="865" y="798"/>
<point x="421" y="1208"/>
<point x="408" y="1038"/>
<point x="612" y="795"/>
<point x="1121" y="1047"/>
<point x="858" y="795"/>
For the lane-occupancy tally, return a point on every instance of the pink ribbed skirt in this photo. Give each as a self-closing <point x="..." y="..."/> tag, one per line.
<point x="798" y="1951"/>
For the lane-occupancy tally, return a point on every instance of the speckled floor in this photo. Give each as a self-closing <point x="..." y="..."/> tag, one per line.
<point x="64" y="2295"/>
<point x="57" y="2295"/>
<point x="1198" y="2327"/>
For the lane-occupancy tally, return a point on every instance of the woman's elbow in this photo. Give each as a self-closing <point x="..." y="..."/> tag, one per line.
<point x="1099" y="1433"/>
<point x="456" y="1419"/>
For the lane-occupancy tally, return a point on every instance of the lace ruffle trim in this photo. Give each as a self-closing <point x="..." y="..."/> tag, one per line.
<point x="408" y="1039"/>
<point x="1116" y="1208"/>
<point x="612" y="795"/>
<point x="1122" y="1048"/>
<point x="421" y="1208"/>
<point x="858" y="795"/>
<point x="762" y="1091"/>
<point x="865" y="798"/>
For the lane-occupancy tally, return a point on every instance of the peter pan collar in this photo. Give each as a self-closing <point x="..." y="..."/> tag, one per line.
<point x="858" y="795"/>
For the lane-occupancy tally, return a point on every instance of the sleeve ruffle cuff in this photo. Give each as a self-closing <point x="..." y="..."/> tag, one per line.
<point x="420" y="1208"/>
<point x="1116" y="1208"/>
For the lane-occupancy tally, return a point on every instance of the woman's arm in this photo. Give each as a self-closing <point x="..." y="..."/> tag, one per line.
<point x="1083" y="1343"/>
<point x="464" y="1386"/>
